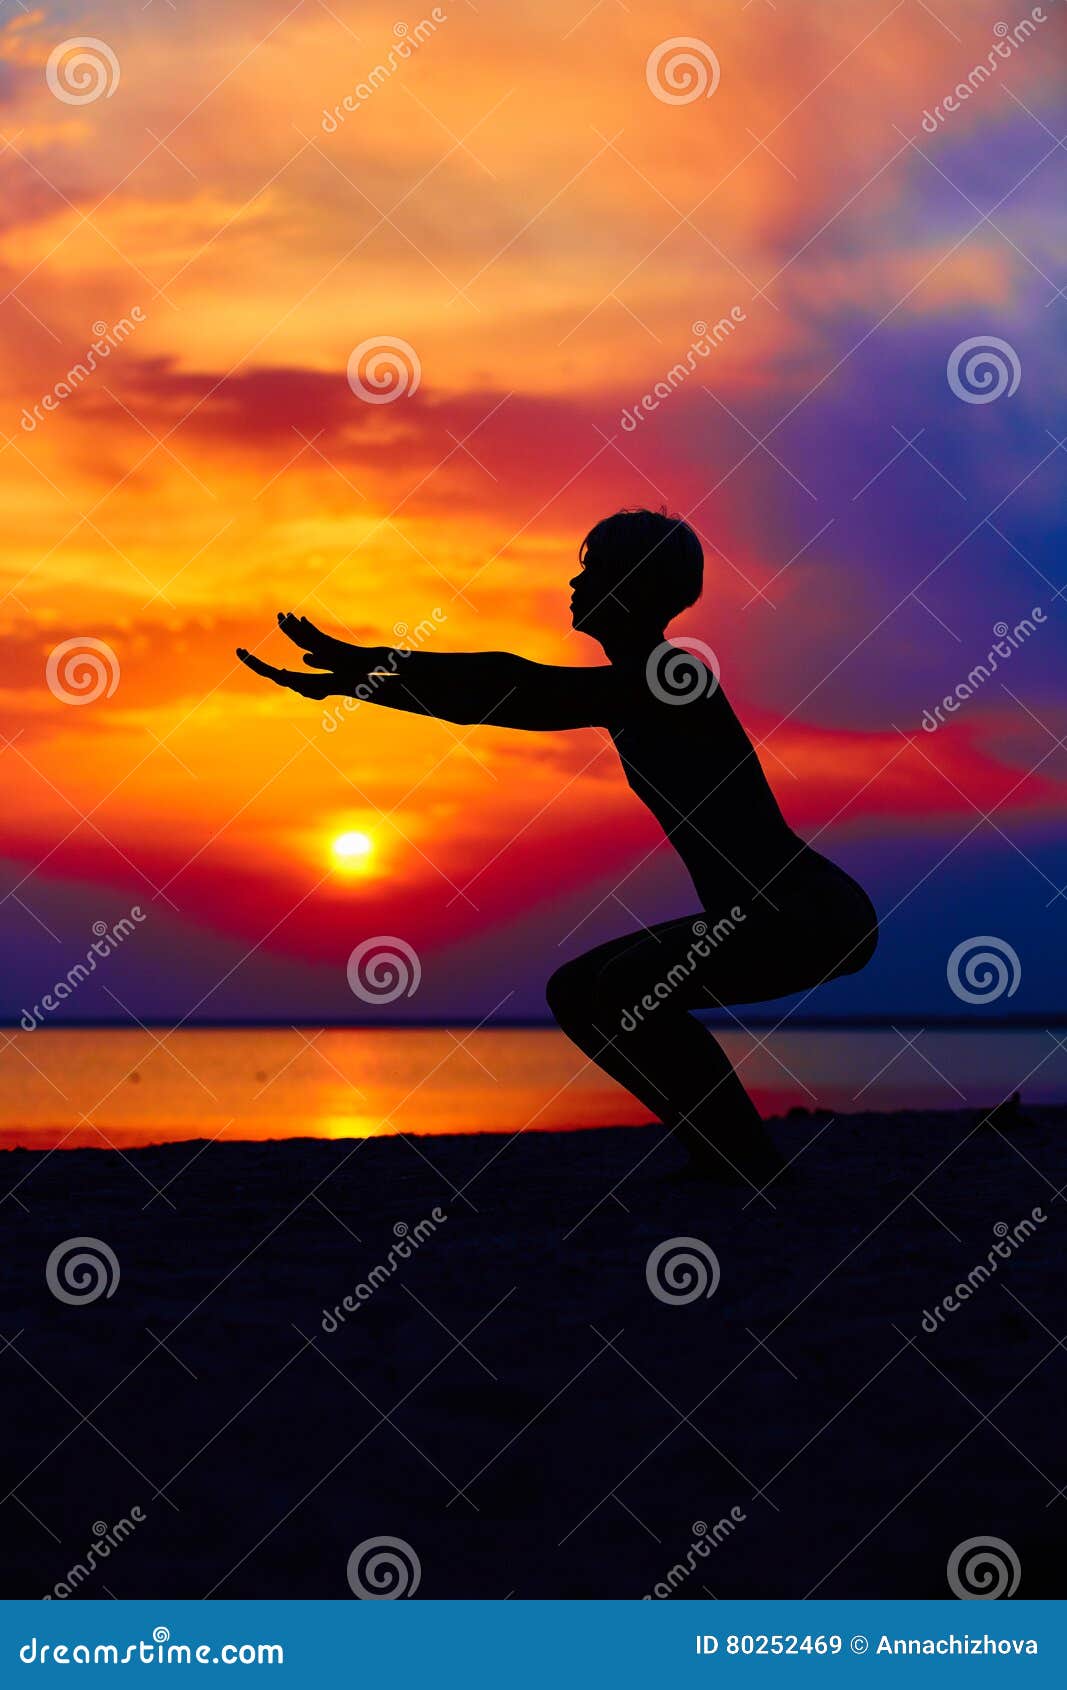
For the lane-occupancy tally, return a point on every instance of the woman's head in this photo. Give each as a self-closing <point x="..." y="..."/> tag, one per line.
<point x="639" y="569"/>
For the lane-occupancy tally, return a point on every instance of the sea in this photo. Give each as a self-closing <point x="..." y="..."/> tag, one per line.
<point x="72" y="1088"/>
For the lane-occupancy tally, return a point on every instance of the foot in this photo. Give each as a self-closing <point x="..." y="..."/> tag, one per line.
<point x="746" y="1159"/>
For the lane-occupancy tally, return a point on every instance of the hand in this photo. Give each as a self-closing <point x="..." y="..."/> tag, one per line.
<point x="308" y="686"/>
<point x="321" y="650"/>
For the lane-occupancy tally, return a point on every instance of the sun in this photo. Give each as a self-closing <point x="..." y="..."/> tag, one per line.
<point x="352" y="848"/>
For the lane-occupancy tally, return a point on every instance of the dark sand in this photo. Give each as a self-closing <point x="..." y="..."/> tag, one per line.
<point x="858" y="1460"/>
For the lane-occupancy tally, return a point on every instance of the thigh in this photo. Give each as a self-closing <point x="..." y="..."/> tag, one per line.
<point x="668" y="963"/>
<point x="745" y="956"/>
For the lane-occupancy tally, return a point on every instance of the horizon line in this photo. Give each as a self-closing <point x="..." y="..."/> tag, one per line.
<point x="854" y="1023"/>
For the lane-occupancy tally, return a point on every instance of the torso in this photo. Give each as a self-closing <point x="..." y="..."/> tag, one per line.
<point x="693" y="765"/>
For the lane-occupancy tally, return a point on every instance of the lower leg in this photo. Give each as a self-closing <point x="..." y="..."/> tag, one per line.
<point x="673" y="1066"/>
<point x="604" y="1043"/>
<point x="708" y="1108"/>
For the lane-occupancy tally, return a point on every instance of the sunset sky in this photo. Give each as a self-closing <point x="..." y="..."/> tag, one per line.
<point x="516" y="203"/>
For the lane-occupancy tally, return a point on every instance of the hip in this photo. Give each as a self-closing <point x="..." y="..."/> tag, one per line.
<point x="808" y="900"/>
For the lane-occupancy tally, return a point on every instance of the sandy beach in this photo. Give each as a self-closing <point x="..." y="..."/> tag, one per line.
<point x="508" y="1394"/>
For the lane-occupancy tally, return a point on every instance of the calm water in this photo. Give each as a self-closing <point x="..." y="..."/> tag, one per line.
<point x="140" y="1087"/>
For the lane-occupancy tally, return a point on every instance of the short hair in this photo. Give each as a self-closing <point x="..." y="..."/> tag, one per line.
<point x="656" y="560"/>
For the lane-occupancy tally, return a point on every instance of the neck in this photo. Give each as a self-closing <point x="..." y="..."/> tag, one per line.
<point x="632" y="648"/>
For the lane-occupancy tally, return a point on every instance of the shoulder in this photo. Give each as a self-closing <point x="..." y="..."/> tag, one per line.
<point x="673" y="682"/>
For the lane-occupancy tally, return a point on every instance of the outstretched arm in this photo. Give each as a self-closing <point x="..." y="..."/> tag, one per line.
<point x="496" y="688"/>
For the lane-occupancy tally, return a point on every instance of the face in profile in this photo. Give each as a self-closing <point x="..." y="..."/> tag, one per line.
<point x="591" y="590"/>
<point x="638" y="570"/>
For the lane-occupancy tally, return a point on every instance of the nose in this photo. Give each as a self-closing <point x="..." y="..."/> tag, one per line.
<point x="575" y="580"/>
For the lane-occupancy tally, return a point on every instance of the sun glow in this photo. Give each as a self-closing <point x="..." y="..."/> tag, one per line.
<point x="351" y="849"/>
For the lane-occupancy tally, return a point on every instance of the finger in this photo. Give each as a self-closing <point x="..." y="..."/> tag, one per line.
<point x="269" y="673"/>
<point x="256" y="664"/>
<point x="249" y="661"/>
<point x="302" y="632"/>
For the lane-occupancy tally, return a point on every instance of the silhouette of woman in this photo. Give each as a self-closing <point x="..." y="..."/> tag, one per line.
<point x="775" y="916"/>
